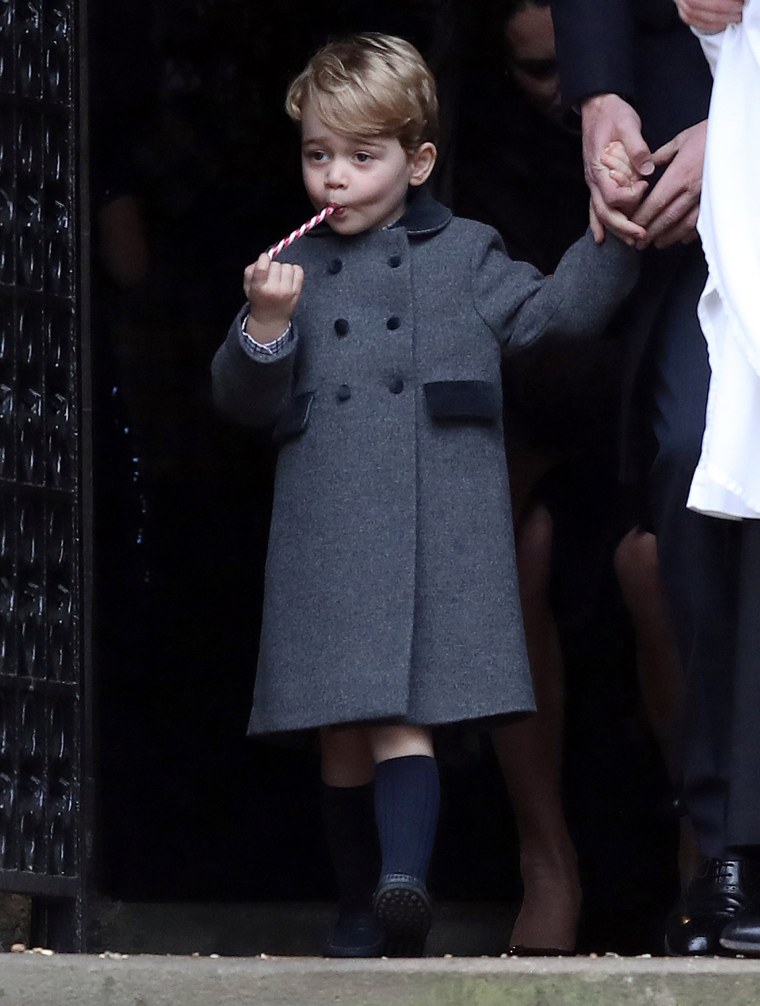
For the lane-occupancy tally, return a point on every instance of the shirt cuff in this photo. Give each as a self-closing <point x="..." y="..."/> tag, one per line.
<point x="254" y="348"/>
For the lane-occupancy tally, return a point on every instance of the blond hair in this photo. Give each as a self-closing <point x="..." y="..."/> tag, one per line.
<point x="369" y="85"/>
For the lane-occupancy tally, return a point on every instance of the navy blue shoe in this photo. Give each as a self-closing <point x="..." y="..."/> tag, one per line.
<point x="404" y="911"/>
<point x="356" y="934"/>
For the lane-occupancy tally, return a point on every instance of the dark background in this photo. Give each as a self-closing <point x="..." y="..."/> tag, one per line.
<point x="189" y="134"/>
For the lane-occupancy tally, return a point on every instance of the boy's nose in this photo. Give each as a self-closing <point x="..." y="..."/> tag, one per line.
<point x="335" y="177"/>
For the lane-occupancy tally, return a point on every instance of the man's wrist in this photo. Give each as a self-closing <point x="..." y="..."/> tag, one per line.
<point x="594" y="103"/>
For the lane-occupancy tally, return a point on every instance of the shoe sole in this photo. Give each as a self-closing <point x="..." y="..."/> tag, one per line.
<point x="404" y="912"/>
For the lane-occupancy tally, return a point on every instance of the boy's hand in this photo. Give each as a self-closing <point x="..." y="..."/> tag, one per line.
<point x="272" y="289"/>
<point x="615" y="158"/>
<point x="607" y="117"/>
<point x="621" y="170"/>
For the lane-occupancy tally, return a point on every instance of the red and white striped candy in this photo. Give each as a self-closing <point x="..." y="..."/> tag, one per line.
<point x="300" y="231"/>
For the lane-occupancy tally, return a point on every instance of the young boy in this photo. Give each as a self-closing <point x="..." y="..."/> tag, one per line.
<point x="374" y="346"/>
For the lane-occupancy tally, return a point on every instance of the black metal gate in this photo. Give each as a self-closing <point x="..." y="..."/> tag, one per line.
<point x="44" y="466"/>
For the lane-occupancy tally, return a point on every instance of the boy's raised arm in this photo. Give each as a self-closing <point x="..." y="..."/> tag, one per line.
<point x="520" y="305"/>
<point x="272" y="289"/>
<point x="252" y="371"/>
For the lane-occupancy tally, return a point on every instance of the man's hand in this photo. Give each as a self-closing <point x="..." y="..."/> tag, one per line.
<point x="272" y="289"/>
<point x="710" y="16"/>
<point x="669" y="213"/>
<point x="606" y="118"/>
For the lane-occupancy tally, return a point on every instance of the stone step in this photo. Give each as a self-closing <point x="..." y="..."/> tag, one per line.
<point x="112" y="980"/>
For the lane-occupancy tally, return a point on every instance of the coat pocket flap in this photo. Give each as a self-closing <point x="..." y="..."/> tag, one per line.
<point x="295" y="418"/>
<point x="462" y="400"/>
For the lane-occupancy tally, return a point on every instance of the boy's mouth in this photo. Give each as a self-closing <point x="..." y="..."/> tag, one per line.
<point x="337" y="209"/>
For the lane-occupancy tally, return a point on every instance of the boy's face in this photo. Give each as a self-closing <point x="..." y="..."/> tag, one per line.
<point x="364" y="178"/>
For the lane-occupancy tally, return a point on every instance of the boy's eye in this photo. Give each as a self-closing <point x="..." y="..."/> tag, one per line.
<point x="362" y="157"/>
<point x="316" y="155"/>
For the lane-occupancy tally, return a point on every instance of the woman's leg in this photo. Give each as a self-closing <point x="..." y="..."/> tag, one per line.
<point x="658" y="663"/>
<point x="530" y="756"/>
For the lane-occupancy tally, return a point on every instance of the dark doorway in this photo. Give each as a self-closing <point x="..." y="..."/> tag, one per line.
<point x="195" y="170"/>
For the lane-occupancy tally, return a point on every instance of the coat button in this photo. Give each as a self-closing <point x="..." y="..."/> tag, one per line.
<point x="394" y="261"/>
<point x="343" y="393"/>
<point x="396" y="385"/>
<point x="335" y="265"/>
<point x="341" y="326"/>
<point x="393" y="323"/>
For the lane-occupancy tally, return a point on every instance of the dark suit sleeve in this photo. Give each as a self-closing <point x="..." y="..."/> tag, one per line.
<point x="595" y="47"/>
<point x="639" y="49"/>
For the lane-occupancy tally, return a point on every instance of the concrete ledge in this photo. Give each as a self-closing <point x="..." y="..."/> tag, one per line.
<point x="34" y="980"/>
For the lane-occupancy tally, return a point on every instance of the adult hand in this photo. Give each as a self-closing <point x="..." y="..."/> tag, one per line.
<point x="606" y="118"/>
<point x="669" y="213"/>
<point x="710" y="16"/>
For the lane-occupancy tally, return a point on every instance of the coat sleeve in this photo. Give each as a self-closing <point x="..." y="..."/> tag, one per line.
<point x="248" y="390"/>
<point x="521" y="305"/>
<point x="595" y="47"/>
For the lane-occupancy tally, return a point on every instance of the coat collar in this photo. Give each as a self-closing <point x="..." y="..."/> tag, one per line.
<point x="424" y="215"/>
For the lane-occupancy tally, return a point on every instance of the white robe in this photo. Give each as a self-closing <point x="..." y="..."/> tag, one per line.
<point x="727" y="478"/>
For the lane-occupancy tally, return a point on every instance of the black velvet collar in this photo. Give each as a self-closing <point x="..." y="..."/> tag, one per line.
<point x="424" y="215"/>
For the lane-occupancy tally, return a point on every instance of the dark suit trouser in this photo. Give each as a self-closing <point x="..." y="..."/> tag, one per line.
<point x="711" y="580"/>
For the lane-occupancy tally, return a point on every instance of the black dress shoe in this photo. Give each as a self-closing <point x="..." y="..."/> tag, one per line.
<point x="356" y="934"/>
<point x="719" y="890"/>
<point x="404" y="911"/>
<point x="742" y="934"/>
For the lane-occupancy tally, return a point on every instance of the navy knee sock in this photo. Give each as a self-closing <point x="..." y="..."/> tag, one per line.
<point x="348" y="817"/>
<point x="407" y="797"/>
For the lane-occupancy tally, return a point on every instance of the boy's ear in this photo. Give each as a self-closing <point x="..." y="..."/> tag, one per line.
<point x="423" y="162"/>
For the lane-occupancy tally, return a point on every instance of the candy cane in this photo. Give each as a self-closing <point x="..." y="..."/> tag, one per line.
<point x="300" y="231"/>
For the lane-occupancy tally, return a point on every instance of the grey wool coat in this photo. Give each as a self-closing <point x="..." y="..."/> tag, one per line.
<point x="391" y="591"/>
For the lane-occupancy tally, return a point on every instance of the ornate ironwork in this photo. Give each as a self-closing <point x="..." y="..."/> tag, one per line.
<point x="41" y="659"/>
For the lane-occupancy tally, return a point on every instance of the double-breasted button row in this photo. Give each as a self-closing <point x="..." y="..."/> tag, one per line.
<point x="342" y="327"/>
<point x="335" y="265"/>
<point x="395" y="386"/>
